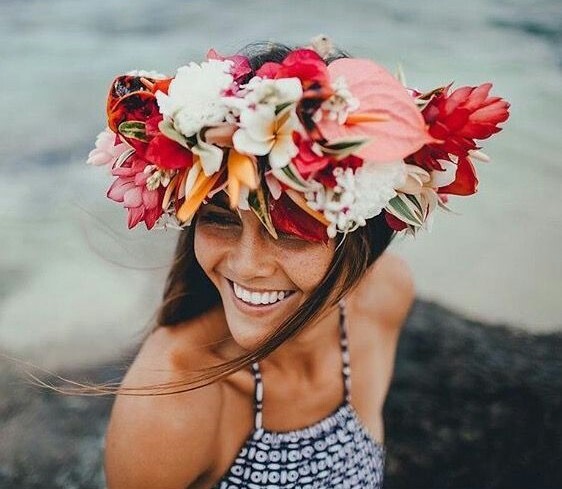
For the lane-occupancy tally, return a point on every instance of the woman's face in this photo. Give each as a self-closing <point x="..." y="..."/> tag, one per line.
<point x="261" y="280"/>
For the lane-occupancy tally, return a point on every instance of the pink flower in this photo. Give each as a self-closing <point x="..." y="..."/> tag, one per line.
<point x="241" y="65"/>
<point x="386" y="117"/>
<point x="130" y="188"/>
<point x="107" y="149"/>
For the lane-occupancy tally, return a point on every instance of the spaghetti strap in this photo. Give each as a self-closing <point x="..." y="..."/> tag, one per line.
<point x="258" y="396"/>
<point x="346" y="371"/>
<point x="346" y="368"/>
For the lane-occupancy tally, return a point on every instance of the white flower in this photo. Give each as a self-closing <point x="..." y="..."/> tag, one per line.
<point x="339" y="105"/>
<point x="263" y="132"/>
<point x="357" y="196"/>
<point x="157" y="177"/>
<point x="195" y="96"/>
<point x="154" y="75"/>
<point x="209" y="155"/>
<point x="260" y="91"/>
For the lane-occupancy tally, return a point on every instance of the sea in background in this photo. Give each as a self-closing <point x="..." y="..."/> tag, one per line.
<point x="76" y="286"/>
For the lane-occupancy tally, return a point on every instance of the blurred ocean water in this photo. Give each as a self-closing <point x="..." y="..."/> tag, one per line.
<point x="71" y="274"/>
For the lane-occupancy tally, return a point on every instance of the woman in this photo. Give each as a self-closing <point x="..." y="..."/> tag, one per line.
<point x="281" y="290"/>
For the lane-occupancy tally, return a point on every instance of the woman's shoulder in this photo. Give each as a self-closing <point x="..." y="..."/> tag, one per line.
<point x="164" y="441"/>
<point x="385" y="293"/>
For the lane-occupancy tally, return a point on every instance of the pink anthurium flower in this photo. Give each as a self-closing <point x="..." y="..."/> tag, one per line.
<point x="386" y="117"/>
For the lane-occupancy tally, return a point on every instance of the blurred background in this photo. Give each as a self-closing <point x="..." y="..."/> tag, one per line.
<point x="77" y="288"/>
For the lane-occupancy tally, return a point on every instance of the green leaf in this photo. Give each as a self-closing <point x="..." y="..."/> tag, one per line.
<point x="281" y="107"/>
<point x="447" y="208"/>
<point x="290" y="176"/>
<point x="413" y="204"/>
<point x="257" y="200"/>
<point x="400" y="209"/>
<point x="345" y="147"/>
<point x="133" y="130"/>
<point x="167" y="128"/>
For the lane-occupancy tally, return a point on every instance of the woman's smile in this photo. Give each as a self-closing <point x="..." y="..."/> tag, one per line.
<point x="257" y="303"/>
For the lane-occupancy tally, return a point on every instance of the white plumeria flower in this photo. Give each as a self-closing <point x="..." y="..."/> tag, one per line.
<point x="263" y="132"/>
<point x="209" y="155"/>
<point x="195" y="96"/>
<point x="106" y="151"/>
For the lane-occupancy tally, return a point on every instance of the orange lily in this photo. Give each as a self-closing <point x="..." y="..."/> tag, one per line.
<point x="241" y="171"/>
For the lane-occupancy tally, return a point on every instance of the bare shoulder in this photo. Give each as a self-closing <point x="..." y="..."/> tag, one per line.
<point x="161" y="441"/>
<point x="386" y="292"/>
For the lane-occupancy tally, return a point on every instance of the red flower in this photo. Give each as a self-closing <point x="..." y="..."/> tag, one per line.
<point x="307" y="160"/>
<point x="131" y="98"/>
<point x="320" y="167"/>
<point x="288" y="217"/>
<point x="394" y="222"/>
<point x="465" y="182"/>
<point x="304" y="64"/>
<point x="130" y="188"/>
<point x="457" y="119"/>
<point x="326" y="175"/>
<point x="168" y="154"/>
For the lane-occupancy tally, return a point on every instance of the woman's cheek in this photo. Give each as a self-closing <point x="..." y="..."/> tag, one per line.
<point x="307" y="268"/>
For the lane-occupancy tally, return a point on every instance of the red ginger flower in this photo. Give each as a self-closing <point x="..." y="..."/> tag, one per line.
<point x="130" y="188"/>
<point x="457" y="119"/>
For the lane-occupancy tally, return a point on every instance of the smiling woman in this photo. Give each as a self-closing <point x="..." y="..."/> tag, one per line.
<point x="280" y="283"/>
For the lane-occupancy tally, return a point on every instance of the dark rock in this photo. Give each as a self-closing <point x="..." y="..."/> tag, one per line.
<point x="473" y="405"/>
<point x="470" y="406"/>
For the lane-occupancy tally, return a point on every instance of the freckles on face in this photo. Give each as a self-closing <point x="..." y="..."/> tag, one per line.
<point x="232" y="248"/>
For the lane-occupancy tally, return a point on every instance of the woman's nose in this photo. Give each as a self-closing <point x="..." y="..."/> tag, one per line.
<point x="251" y="255"/>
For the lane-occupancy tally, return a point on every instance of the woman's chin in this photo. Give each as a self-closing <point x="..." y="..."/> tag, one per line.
<point x="248" y="322"/>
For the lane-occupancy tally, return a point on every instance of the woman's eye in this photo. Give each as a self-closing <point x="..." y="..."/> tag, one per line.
<point x="218" y="219"/>
<point x="289" y="236"/>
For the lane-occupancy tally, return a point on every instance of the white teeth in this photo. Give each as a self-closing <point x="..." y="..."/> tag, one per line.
<point x="257" y="298"/>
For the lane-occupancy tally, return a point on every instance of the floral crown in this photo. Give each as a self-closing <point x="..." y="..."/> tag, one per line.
<point x="313" y="149"/>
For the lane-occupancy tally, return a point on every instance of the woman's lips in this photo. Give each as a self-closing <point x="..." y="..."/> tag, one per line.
<point x="255" y="309"/>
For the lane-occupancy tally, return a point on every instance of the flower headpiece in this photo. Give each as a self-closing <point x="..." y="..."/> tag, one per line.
<point x="311" y="148"/>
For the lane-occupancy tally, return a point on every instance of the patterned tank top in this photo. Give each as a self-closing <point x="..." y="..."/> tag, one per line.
<point x="336" y="452"/>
